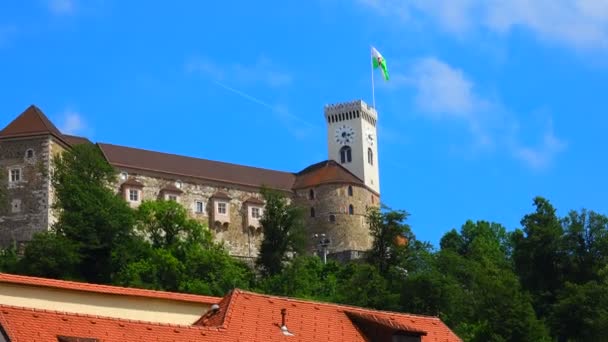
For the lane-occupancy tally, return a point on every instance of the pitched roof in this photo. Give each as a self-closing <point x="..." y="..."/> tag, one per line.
<point x="171" y="188"/>
<point x="106" y="289"/>
<point x="132" y="182"/>
<point x="325" y="172"/>
<point x="242" y="316"/>
<point x="139" y="159"/>
<point x="76" y="140"/>
<point x="220" y="195"/>
<point x="31" y="122"/>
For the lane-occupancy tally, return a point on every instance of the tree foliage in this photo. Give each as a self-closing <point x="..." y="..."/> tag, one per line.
<point x="284" y="234"/>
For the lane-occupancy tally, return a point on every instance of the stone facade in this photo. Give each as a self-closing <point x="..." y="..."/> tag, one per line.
<point x="237" y="229"/>
<point x="338" y="211"/>
<point x="24" y="170"/>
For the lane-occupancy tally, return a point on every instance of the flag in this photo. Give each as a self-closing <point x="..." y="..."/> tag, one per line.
<point x="379" y="62"/>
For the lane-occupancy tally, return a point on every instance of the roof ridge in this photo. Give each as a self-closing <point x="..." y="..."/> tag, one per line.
<point x="108" y="318"/>
<point x="337" y="305"/>
<point x="45" y="120"/>
<point x="196" y="158"/>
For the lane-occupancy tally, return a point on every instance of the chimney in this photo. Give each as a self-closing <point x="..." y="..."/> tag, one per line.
<point x="284" y="329"/>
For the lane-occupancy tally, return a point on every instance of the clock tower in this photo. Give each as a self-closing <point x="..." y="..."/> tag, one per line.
<point x="352" y="140"/>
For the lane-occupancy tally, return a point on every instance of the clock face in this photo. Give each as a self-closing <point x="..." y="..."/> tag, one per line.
<point x="369" y="135"/>
<point x="344" y="135"/>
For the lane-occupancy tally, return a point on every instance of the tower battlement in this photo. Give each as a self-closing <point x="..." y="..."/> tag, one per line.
<point x="345" y="107"/>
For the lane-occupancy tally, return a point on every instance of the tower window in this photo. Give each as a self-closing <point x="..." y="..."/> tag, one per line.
<point x="29" y="153"/>
<point x="370" y="156"/>
<point x="332" y="218"/>
<point x="312" y="212"/>
<point x="311" y="194"/>
<point x="350" y="190"/>
<point x="14" y="175"/>
<point x="351" y="210"/>
<point x="345" y="154"/>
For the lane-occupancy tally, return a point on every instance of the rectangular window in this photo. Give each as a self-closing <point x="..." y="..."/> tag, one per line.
<point x="15" y="175"/>
<point x="172" y="198"/>
<point x="200" y="207"/>
<point x="221" y="208"/>
<point x="255" y="213"/>
<point x="133" y="195"/>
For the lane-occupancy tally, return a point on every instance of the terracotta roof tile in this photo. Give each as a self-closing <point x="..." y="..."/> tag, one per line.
<point x="220" y="195"/>
<point x="117" y="290"/>
<point x="325" y="172"/>
<point x="132" y="182"/>
<point x="139" y="159"/>
<point x="76" y="140"/>
<point x="172" y="189"/>
<point x="31" y="122"/>
<point x="254" y="200"/>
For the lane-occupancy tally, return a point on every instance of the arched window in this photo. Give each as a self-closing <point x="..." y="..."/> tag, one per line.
<point x="345" y="154"/>
<point x="351" y="210"/>
<point x="370" y="156"/>
<point x="311" y="194"/>
<point x="350" y="190"/>
<point x="312" y="212"/>
<point x="332" y="218"/>
<point x="29" y="153"/>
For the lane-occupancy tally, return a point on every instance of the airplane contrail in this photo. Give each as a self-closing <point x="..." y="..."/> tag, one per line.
<point x="262" y="103"/>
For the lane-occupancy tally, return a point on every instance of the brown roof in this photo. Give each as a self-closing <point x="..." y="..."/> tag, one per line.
<point x="221" y="195"/>
<point x="132" y="182"/>
<point x="121" y="156"/>
<point x="254" y="200"/>
<point x="325" y="172"/>
<point x="76" y="140"/>
<point x="31" y="122"/>
<point x="171" y="188"/>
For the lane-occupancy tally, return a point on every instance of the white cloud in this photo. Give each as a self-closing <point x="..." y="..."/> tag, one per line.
<point x="581" y="24"/>
<point x="262" y="72"/>
<point x="73" y="122"/>
<point x="443" y="92"/>
<point x="62" y="7"/>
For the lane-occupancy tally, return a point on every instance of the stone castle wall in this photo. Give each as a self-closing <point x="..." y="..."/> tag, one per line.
<point x="241" y="234"/>
<point x="346" y="230"/>
<point x="26" y="209"/>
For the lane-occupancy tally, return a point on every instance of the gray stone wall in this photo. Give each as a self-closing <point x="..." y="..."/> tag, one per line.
<point x="27" y="208"/>
<point x="346" y="231"/>
<point x="240" y="238"/>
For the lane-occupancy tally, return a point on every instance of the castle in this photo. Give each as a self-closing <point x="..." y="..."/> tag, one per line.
<point x="335" y="192"/>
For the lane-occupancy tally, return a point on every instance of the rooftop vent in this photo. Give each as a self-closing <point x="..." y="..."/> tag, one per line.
<point x="284" y="329"/>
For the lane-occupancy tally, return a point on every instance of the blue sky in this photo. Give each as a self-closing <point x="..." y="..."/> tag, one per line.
<point x="490" y="102"/>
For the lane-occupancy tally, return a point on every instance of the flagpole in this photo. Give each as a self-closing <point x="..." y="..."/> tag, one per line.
<point x="372" y="68"/>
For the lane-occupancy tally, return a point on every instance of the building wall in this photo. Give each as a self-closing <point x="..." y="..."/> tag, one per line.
<point x="26" y="209"/>
<point x="241" y="236"/>
<point x="99" y="304"/>
<point x="348" y="231"/>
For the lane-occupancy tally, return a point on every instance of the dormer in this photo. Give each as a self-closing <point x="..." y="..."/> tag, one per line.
<point x="170" y="193"/>
<point x="221" y="207"/>
<point x="132" y="191"/>
<point x="254" y="211"/>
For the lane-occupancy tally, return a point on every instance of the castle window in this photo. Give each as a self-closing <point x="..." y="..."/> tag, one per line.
<point x="370" y="156"/>
<point x="350" y="190"/>
<point x="178" y="184"/>
<point x="199" y="207"/>
<point x="332" y="218"/>
<point x="221" y="208"/>
<point x="29" y="153"/>
<point x="255" y="213"/>
<point x="133" y="195"/>
<point x="124" y="176"/>
<point x="351" y="210"/>
<point x="345" y="154"/>
<point x="312" y="212"/>
<point x="311" y="194"/>
<point x="14" y="175"/>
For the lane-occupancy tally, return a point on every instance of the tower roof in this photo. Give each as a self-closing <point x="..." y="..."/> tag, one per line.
<point x="31" y="122"/>
<point x="325" y="172"/>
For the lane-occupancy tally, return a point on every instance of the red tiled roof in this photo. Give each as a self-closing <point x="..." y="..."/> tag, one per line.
<point x="132" y="182"/>
<point x="31" y="122"/>
<point x="172" y="189"/>
<point x="220" y="195"/>
<point x="127" y="157"/>
<point x="76" y="140"/>
<point x="325" y="172"/>
<point x="243" y="316"/>
<point x="254" y="200"/>
<point x="116" y="290"/>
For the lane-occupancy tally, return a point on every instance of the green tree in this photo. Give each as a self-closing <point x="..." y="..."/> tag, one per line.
<point x="391" y="236"/>
<point x="284" y="234"/>
<point x="90" y="215"/>
<point x="539" y="255"/>
<point x="51" y="255"/>
<point x="179" y="254"/>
